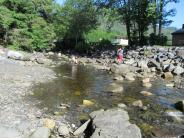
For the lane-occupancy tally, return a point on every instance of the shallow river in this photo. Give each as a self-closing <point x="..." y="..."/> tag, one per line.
<point x="77" y="83"/>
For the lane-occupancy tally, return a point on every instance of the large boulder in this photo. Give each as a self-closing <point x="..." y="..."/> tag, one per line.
<point x="154" y="63"/>
<point x="143" y="64"/>
<point x="178" y="70"/>
<point x="180" y="53"/>
<point x="15" y="55"/>
<point x="113" y="123"/>
<point x="167" y="75"/>
<point x="123" y="69"/>
<point x="64" y="130"/>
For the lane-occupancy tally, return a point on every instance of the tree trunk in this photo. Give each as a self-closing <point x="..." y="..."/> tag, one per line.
<point x="160" y="17"/>
<point x="128" y="25"/>
<point x="155" y="19"/>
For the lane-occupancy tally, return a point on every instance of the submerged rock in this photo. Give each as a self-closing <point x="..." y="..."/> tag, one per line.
<point x="88" y="103"/>
<point x="145" y="93"/>
<point x="138" y="103"/>
<point x="113" y="123"/>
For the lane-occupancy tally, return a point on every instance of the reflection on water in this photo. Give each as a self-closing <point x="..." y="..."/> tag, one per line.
<point x="76" y="83"/>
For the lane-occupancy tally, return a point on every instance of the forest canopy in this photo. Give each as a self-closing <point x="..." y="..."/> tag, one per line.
<point x="37" y="25"/>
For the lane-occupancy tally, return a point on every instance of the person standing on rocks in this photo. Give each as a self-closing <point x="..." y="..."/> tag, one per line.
<point x="120" y="55"/>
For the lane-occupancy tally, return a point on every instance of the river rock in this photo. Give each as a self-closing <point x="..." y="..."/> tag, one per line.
<point x="130" y="76"/>
<point x="49" y="123"/>
<point x="138" y="103"/>
<point x="42" y="132"/>
<point x="82" y="128"/>
<point x="59" y="55"/>
<point x="118" y="78"/>
<point x="145" y="93"/>
<point x="50" y="53"/>
<point x="123" y="69"/>
<point x="15" y="55"/>
<point x="113" y="123"/>
<point x="130" y="61"/>
<point x="146" y="80"/>
<point x="170" y="85"/>
<point x="122" y="106"/>
<point x="180" y="105"/>
<point x="180" y="53"/>
<point x="88" y="103"/>
<point x="167" y="75"/>
<point x="178" y="70"/>
<point x="154" y="63"/>
<point x="143" y="64"/>
<point x="64" y="130"/>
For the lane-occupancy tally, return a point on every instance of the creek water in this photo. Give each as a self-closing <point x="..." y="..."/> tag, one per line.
<point x="76" y="83"/>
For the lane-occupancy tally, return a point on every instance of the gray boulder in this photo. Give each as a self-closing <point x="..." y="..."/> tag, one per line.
<point x="154" y="63"/>
<point x="123" y="69"/>
<point x="15" y="55"/>
<point x="180" y="53"/>
<point x="113" y="123"/>
<point x="178" y="70"/>
<point x="143" y="64"/>
<point x="64" y="130"/>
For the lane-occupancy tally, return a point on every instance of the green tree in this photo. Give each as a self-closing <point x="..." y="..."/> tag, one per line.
<point x="164" y="14"/>
<point x="27" y="25"/>
<point x="81" y="18"/>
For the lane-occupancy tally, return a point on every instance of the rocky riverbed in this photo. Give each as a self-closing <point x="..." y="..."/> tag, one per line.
<point x="20" y="116"/>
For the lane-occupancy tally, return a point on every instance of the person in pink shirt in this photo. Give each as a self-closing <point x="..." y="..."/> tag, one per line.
<point x="120" y="55"/>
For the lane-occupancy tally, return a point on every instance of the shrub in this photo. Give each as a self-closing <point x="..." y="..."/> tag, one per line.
<point x="158" y="39"/>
